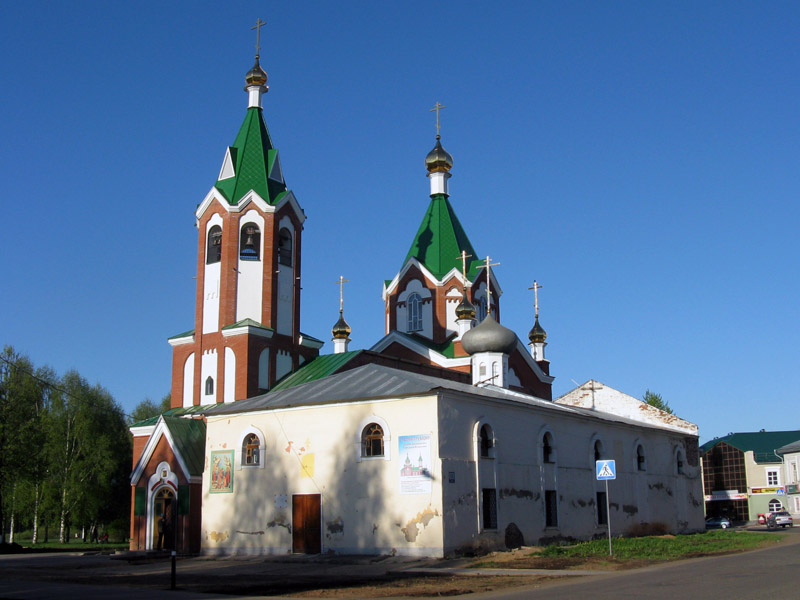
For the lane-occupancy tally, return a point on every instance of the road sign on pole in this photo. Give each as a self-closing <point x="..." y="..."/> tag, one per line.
<point x="605" y="470"/>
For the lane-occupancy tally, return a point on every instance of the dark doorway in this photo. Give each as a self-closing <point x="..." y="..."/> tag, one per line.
<point x="164" y="509"/>
<point x="306" y="524"/>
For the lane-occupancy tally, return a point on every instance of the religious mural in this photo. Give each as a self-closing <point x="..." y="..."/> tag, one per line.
<point x="221" y="472"/>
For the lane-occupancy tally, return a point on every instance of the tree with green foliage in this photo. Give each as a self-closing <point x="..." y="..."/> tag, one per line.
<point x="655" y="400"/>
<point x="147" y="408"/>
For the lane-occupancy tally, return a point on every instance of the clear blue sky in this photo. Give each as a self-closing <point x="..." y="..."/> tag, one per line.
<point x="640" y="160"/>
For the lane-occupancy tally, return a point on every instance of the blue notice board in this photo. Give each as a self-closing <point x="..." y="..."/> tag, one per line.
<point x="606" y="469"/>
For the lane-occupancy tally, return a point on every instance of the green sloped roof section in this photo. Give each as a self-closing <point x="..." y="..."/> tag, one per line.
<point x="253" y="157"/>
<point x="440" y="240"/>
<point x="762" y="443"/>
<point x="175" y="412"/>
<point x="189" y="436"/>
<point x="319" y="367"/>
<point x="446" y="348"/>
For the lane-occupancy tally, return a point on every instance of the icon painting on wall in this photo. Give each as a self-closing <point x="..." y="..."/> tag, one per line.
<point x="221" y="472"/>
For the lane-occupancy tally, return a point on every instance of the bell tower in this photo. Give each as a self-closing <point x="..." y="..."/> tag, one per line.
<point x="247" y="312"/>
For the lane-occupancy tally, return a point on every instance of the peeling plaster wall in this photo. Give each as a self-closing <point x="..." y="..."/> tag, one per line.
<point x="317" y="451"/>
<point x="657" y="495"/>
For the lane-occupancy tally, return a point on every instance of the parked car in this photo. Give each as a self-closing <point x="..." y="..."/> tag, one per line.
<point x="717" y="523"/>
<point x="781" y="518"/>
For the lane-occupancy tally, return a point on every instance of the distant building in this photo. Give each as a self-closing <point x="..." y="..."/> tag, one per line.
<point x="743" y="474"/>
<point x="791" y="468"/>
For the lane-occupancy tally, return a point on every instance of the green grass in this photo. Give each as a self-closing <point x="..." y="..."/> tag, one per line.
<point x="658" y="548"/>
<point x="73" y="545"/>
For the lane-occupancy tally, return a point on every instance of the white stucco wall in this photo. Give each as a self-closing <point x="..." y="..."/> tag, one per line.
<point x="313" y="451"/>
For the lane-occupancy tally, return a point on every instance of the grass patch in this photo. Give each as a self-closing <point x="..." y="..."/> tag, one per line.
<point x="629" y="553"/>
<point x="667" y="547"/>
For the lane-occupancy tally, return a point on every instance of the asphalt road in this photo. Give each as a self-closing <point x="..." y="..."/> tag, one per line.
<point x="770" y="574"/>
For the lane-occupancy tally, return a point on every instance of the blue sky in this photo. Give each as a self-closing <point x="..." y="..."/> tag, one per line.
<point x="640" y="160"/>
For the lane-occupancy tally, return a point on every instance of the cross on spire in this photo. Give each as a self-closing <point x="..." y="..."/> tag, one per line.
<point x="259" y="24"/>
<point x="341" y="283"/>
<point x="488" y="266"/>
<point x="437" y="107"/>
<point x="464" y="256"/>
<point x="535" y="287"/>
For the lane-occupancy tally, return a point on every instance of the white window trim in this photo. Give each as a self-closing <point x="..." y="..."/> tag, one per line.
<point x="239" y="455"/>
<point x="387" y="439"/>
<point x="777" y="473"/>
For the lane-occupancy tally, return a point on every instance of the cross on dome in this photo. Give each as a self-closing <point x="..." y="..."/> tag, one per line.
<point x="488" y="266"/>
<point x="437" y="107"/>
<point x="259" y="24"/>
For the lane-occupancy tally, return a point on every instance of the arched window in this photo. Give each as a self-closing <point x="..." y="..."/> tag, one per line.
<point x="414" y="304"/>
<point x="598" y="450"/>
<point x="214" y="245"/>
<point x="250" y="242"/>
<point x="285" y="247"/>
<point x="481" y="309"/>
<point x="641" y="463"/>
<point x="251" y="450"/>
<point x="372" y="440"/>
<point x="775" y="505"/>
<point x="679" y="462"/>
<point x="548" y="450"/>
<point x="485" y="441"/>
<point x="209" y="386"/>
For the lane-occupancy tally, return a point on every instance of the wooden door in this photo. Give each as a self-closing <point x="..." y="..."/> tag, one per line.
<point x="306" y="524"/>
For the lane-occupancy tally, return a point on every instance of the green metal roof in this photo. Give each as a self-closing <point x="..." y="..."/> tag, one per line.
<point x="440" y="240"/>
<point x="247" y="323"/>
<point x="255" y="163"/>
<point x="181" y="335"/>
<point x="446" y="348"/>
<point x="175" y="412"/>
<point x="189" y="436"/>
<point x="319" y="367"/>
<point x="762" y="443"/>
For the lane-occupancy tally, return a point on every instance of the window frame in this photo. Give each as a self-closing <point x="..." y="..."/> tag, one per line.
<point x="214" y="245"/>
<point x="367" y="435"/>
<point x="246" y="451"/>
<point x="358" y="439"/>
<point x="209" y="386"/>
<point x="256" y="242"/>
<point x="773" y="477"/>
<point x="285" y="256"/>
<point x="262" y="447"/>
<point x="414" y="313"/>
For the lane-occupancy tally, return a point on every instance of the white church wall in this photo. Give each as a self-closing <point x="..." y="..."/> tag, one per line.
<point x="310" y="451"/>
<point x="523" y="478"/>
<point x="250" y="279"/>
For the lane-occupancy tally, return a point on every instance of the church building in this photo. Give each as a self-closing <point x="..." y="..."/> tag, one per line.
<point x="441" y="438"/>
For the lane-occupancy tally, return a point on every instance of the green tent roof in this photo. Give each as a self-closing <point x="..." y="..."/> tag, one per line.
<point x="189" y="435"/>
<point x="440" y="240"/>
<point x="762" y="443"/>
<point x="319" y="367"/>
<point x="256" y="165"/>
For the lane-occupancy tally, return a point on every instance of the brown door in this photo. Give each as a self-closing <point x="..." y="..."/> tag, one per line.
<point x="306" y="524"/>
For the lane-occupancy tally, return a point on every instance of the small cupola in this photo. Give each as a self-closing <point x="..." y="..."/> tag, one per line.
<point x="489" y="344"/>
<point x="465" y="315"/>
<point x="438" y="162"/>
<point x="341" y="330"/>
<point x="255" y="82"/>
<point x="537" y="335"/>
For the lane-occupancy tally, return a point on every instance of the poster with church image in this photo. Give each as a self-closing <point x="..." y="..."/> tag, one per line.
<point x="221" y="472"/>
<point x="415" y="457"/>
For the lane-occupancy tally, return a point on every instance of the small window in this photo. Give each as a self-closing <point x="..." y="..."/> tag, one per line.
<point x="251" y="450"/>
<point x="485" y="441"/>
<point x="250" y="242"/>
<point x="489" y="508"/>
<point x="481" y="309"/>
<point x="598" y="450"/>
<point x="775" y="505"/>
<point x="550" y="508"/>
<point x="641" y="464"/>
<point x="414" y="307"/>
<point x="772" y="477"/>
<point x="214" y="245"/>
<point x="285" y="247"/>
<point x="679" y="462"/>
<point x="372" y="440"/>
<point x="602" y="512"/>
<point x="209" y="386"/>
<point x="548" y="455"/>
<point x="794" y="472"/>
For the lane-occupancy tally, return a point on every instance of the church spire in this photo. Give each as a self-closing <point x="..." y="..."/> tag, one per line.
<point x="256" y="78"/>
<point x="537" y="335"/>
<point x="341" y="330"/>
<point x="438" y="162"/>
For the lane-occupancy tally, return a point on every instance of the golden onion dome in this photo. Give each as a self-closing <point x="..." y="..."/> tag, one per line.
<point x="537" y="335"/>
<point x="341" y="331"/>
<point x="256" y="75"/>
<point x="465" y="309"/>
<point x="438" y="159"/>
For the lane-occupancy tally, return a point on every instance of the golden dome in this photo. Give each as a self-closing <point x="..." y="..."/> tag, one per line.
<point x="438" y="159"/>
<point x="341" y="331"/>
<point x="465" y="309"/>
<point x="537" y="335"/>
<point x="255" y="76"/>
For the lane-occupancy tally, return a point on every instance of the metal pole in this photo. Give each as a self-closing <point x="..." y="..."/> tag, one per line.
<point x="608" y="521"/>
<point x="172" y="585"/>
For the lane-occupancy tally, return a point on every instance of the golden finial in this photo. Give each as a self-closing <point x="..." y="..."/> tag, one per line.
<point x="535" y="287"/>
<point x="259" y="24"/>
<point x="437" y="107"/>
<point x="340" y="282"/>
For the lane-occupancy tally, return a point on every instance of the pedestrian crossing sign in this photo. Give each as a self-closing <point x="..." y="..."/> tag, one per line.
<point x="606" y="469"/>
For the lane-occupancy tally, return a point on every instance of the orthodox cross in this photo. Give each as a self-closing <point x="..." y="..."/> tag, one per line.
<point x="535" y="287"/>
<point x="464" y="256"/>
<point x="437" y="108"/>
<point x="341" y="283"/>
<point x="488" y="266"/>
<point x="592" y="389"/>
<point x="259" y="24"/>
